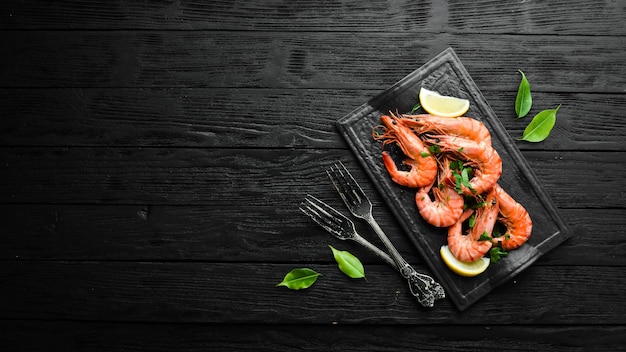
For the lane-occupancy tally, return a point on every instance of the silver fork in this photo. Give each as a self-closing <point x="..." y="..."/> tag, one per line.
<point x="361" y="207"/>
<point x="338" y="225"/>
<point x="422" y="286"/>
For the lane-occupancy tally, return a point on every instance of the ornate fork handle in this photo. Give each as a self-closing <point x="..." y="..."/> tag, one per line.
<point x="422" y="286"/>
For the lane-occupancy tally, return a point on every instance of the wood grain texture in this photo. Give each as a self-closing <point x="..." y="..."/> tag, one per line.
<point x="556" y="17"/>
<point x="226" y="118"/>
<point x="102" y="336"/>
<point x="216" y="293"/>
<point x="301" y="60"/>
<point x="153" y="155"/>
<point x="250" y="234"/>
<point x="182" y="176"/>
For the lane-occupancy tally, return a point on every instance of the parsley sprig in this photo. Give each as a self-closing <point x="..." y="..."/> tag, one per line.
<point x="462" y="175"/>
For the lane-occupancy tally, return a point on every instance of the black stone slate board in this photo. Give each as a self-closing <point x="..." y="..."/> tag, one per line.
<point x="446" y="75"/>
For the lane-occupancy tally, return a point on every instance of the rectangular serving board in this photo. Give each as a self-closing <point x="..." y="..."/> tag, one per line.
<point x="446" y="74"/>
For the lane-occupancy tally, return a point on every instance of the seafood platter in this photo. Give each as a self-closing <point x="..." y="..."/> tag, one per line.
<point x="430" y="191"/>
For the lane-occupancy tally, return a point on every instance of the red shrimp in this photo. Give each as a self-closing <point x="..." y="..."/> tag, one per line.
<point x="447" y="206"/>
<point x="471" y="247"/>
<point x="519" y="225"/>
<point x="464" y="127"/>
<point x="484" y="160"/>
<point x="423" y="166"/>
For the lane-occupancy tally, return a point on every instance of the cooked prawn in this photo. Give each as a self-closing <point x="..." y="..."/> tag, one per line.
<point x="482" y="157"/>
<point x="518" y="223"/>
<point x="423" y="166"/>
<point x="446" y="208"/>
<point x="464" y="127"/>
<point x="470" y="247"/>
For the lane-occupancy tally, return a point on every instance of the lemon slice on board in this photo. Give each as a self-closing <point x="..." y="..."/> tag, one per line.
<point x="442" y="105"/>
<point x="463" y="268"/>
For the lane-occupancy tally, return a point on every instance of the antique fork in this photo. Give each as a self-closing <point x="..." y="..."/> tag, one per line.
<point x="361" y="207"/>
<point x="339" y="225"/>
<point x="421" y="286"/>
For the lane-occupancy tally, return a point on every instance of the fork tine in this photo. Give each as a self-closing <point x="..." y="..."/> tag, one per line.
<point x="351" y="182"/>
<point x="342" y="184"/>
<point x="322" y="207"/>
<point x="327" y="217"/>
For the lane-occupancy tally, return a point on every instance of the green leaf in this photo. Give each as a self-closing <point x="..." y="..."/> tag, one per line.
<point x="539" y="128"/>
<point x="497" y="253"/>
<point x="415" y="108"/>
<point x="299" y="279"/>
<point x="457" y="182"/>
<point x="465" y="177"/>
<point x="456" y="164"/>
<point x="434" y="149"/>
<point x="424" y="154"/>
<point x="348" y="263"/>
<point x="523" y="101"/>
<point x="472" y="220"/>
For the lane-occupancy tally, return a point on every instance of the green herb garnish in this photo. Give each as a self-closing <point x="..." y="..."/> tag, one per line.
<point x="484" y="237"/>
<point x="434" y="149"/>
<point x="497" y="253"/>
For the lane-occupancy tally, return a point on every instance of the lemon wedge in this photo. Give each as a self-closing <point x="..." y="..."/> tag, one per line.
<point x="442" y="105"/>
<point x="463" y="268"/>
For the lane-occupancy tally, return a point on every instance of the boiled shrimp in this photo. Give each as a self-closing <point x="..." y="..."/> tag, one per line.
<point x="444" y="210"/>
<point x="422" y="166"/>
<point x="518" y="223"/>
<point x="464" y="127"/>
<point x="470" y="247"/>
<point x="482" y="157"/>
<point x="447" y="206"/>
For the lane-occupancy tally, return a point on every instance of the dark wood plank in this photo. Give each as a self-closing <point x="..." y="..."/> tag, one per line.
<point x="301" y="60"/>
<point x="200" y="117"/>
<point x="101" y="336"/>
<point x="251" y="234"/>
<point x="274" y="177"/>
<point x="557" y="17"/>
<point x="246" y="293"/>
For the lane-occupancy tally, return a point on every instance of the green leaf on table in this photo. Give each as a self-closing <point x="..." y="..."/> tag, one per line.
<point x="539" y="128"/>
<point x="348" y="263"/>
<point x="298" y="279"/>
<point x="523" y="101"/>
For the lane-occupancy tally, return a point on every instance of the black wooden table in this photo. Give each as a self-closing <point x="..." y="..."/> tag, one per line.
<point x="153" y="155"/>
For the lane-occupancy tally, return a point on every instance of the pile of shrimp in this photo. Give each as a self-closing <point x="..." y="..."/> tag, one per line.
<point x="455" y="171"/>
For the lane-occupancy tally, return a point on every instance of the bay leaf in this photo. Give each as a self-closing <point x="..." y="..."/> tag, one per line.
<point x="300" y="278"/>
<point x="524" y="100"/>
<point x="539" y="128"/>
<point x="348" y="263"/>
